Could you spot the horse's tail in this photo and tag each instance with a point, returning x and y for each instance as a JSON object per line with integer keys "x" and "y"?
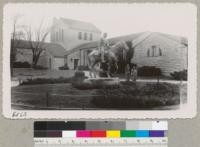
{"x": 116, "y": 66}
{"x": 124, "y": 54}
{"x": 89, "y": 61}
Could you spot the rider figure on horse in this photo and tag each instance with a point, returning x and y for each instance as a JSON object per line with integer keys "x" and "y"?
{"x": 103, "y": 46}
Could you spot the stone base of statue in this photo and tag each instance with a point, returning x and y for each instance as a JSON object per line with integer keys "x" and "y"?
{"x": 102, "y": 81}
{"x": 97, "y": 83}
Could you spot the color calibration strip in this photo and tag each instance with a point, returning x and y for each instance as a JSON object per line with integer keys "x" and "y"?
{"x": 111, "y": 129}
{"x": 91, "y": 133}
{"x": 101, "y": 133}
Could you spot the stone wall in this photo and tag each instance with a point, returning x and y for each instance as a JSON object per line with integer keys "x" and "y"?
{"x": 173, "y": 54}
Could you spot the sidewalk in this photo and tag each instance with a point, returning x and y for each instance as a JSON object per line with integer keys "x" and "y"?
{"x": 161, "y": 81}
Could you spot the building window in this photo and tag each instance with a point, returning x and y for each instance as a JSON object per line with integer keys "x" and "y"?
{"x": 91, "y": 37}
{"x": 160, "y": 52}
{"x": 57, "y": 36}
{"x": 153, "y": 48}
{"x": 54, "y": 36}
{"x": 85, "y": 36}
{"x": 79, "y": 35}
{"x": 148, "y": 53}
{"x": 154, "y": 51}
{"x": 62, "y": 35}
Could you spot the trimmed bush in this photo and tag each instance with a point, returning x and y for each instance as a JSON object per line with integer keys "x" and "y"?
{"x": 21, "y": 65}
{"x": 130, "y": 95}
{"x": 149, "y": 71}
{"x": 83, "y": 67}
{"x": 179, "y": 75}
{"x": 39, "y": 67}
{"x": 79, "y": 74}
{"x": 78, "y": 78}
{"x": 47, "y": 81}
{"x": 65, "y": 67}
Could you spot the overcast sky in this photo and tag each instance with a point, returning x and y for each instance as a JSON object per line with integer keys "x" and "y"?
{"x": 115, "y": 19}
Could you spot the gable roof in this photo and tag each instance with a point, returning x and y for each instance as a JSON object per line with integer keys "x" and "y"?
{"x": 112, "y": 41}
{"x": 54, "y": 49}
{"x": 80, "y": 24}
{"x": 179, "y": 39}
{"x": 135, "y": 38}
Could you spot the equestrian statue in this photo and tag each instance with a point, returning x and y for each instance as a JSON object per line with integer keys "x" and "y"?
{"x": 107, "y": 54}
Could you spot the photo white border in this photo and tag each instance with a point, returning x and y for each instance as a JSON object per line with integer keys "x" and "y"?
{"x": 188, "y": 111}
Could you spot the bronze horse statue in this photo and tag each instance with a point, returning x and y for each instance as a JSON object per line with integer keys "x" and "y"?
{"x": 111, "y": 57}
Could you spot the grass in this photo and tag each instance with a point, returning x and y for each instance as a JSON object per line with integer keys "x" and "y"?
{"x": 127, "y": 96}
{"x": 60, "y": 96}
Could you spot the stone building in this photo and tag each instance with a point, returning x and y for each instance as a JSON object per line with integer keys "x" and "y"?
{"x": 51, "y": 58}
{"x": 71, "y": 33}
{"x": 164, "y": 51}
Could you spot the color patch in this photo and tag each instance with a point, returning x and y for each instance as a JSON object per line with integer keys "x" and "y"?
{"x": 69, "y": 134}
{"x": 159, "y": 125}
{"x": 98, "y": 133}
{"x": 83, "y": 133}
{"x": 40, "y": 134}
{"x": 54, "y": 133}
{"x": 113, "y": 134}
{"x": 156, "y": 133}
{"x": 142, "y": 133}
{"x": 127, "y": 133}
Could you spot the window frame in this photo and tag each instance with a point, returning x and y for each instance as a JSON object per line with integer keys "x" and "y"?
{"x": 80, "y": 35}
{"x": 85, "y": 36}
{"x": 154, "y": 51}
{"x": 91, "y": 36}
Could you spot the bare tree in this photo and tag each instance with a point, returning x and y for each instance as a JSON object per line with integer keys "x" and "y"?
{"x": 36, "y": 39}
{"x": 16, "y": 37}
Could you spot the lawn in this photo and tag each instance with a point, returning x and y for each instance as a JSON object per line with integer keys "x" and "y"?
{"x": 127, "y": 96}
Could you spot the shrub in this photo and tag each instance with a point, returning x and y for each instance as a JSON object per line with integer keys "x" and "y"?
{"x": 39, "y": 67}
{"x": 65, "y": 67}
{"x": 82, "y": 67}
{"x": 149, "y": 71}
{"x": 134, "y": 96}
{"x": 179, "y": 75}
{"x": 78, "y": 78}
{"x": 47, "y": 81}
{"x": 21, "y": 65}
{"x": 79, "y": 74}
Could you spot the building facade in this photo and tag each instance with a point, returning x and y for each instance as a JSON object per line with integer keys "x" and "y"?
{"x": 71, "y": 33}
{"x": 164, "y": 51}
{"x": 51, "y": 58}
{"x": 169, "y": 53}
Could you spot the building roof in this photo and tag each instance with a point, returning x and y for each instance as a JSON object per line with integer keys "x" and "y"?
{"x": 112, "y": 41}
{"x": 80, "y": 24}
{"x": 179, "y": 39}
{"x": 135, "y": 38}
{"x": 54, "y": 49}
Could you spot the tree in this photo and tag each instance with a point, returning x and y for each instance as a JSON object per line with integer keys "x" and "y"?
{"x": 16, "y": 37}
{"x": 130, "y": 53}
{"x": 36, "y": 39}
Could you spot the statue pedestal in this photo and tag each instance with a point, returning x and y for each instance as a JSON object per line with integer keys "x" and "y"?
{"x": 102, "y": 81}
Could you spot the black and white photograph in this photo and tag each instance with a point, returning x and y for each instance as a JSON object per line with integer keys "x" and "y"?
{"x": 99, "y": 60}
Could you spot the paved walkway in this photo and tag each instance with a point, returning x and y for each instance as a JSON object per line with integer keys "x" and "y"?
{"x": 167, "y": 81}
{"x": 161, "y": 81}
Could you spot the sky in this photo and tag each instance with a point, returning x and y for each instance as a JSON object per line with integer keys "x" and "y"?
{"x": 114, "y": 19}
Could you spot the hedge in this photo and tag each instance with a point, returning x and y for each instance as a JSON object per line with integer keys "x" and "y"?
{"x": 149, "y": 71}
